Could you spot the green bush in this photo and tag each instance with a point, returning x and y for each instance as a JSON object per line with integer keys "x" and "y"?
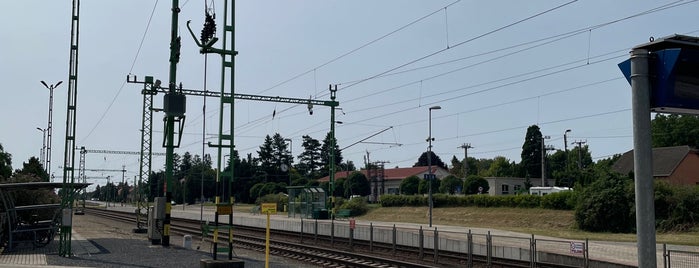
{"x": 280, "y": 199}
{"x": 683, "y": 210}
{"x": 357, "y": 206}
{"x": 562, "y": 200}
{"x": 606, "y": 205}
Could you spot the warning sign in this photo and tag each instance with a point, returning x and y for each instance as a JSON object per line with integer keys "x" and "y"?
{"x": 269, "y": 207}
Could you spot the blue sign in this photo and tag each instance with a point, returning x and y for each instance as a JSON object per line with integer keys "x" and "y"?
{"x": 674, "y": 74}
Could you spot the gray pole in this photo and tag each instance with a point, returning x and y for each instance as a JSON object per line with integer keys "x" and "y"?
{"x": 429, "y": 161}
{"x": 291, "y": 155}
{"x": 47, "y": 159}
{"x": 565, "y": 147}
{"x": 543, "y": 160}
{"x": 643, "y": 158}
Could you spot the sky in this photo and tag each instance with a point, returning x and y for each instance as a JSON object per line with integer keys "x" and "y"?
{"x": 494, "y": 67}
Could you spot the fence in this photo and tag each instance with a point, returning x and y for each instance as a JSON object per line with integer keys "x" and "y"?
{"x": 675, "y": 258}
{"x": 482, "y": 244}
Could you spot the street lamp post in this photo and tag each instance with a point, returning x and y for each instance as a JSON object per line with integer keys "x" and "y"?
{"x": 429, "y": 160}
{"x": 49, "y": 128}
{"x": 42, "y": 158}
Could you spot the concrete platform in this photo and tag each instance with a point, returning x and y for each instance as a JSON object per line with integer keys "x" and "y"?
{"x": 26, "y": 256}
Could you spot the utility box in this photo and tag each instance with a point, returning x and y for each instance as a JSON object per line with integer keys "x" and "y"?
{"x": 159, "y": 208}
{"x": 175, "y": 104}
{"x": 156, "y": 215}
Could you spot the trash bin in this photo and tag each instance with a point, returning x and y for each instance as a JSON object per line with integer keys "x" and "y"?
{"x": 315, "y": 214}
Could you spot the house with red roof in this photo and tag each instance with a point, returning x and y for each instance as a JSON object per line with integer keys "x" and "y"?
{"x": 677, "y": 165}
{"x": 388, "y": 181}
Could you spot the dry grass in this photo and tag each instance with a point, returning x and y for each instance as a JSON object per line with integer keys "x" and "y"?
{"x": 556, "y": 223}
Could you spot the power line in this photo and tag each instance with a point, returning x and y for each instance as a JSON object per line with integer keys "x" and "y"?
{"x": 138, "y": 52}
{"x": 358, "y": 48}
{"x": 459, "y": 44}
{"x": 556, "y": 37}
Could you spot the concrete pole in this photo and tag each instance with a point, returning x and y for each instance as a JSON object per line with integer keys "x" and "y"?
{"x": 543, "y": 162}
{"x": 643, "y": 158}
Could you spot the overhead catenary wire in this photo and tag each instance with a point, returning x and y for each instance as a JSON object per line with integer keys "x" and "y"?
{"x": 460, "y": 43}
{"x": 138, "y": 52}
{"x": 314, "y": 69}
{"x": 570, "y": 33}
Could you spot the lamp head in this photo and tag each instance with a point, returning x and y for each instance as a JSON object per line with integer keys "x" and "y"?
{"x": 59, "y": 82}
{"x": 567, "y": 130}
{"x": 436, "y": 107}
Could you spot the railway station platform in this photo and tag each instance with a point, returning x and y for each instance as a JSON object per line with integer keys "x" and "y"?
{"x": 97, "y": 242}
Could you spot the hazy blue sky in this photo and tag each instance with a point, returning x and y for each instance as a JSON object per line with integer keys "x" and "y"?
{"x": 557, "y": 69}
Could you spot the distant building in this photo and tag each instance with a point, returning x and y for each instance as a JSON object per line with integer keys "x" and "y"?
{"x": 388, "y": 180}
{"x": 508, "y": 185}
{"x": 677, "y": 165}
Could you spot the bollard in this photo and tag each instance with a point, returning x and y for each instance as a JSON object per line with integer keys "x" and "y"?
{"x": 187, "y": 242}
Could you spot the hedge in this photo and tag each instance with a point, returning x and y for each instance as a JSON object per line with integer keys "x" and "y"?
{"x": 562, "y": 200}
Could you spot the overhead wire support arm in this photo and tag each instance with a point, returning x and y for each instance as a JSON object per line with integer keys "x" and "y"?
{"x": 196, "y": 92}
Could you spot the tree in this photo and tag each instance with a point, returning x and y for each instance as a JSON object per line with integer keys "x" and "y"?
{"x": 325, "y": 155}
{"x": 457, "y": 167}
{"x": 357, "y": 184}
{"x": 409, "y": 185}
{"x": 675, "y": 130}
{"x": 501, "y": 167}
{"x": 5, "y": 164}
{"x": 451, "y": 185}
{"x": 310, "y": 158}
{"x": 348, "y": 166}
{"x": 435, "y": 160}
{"x": 281, "y": 156}
{"x": 481, "y": 167}
{"x": 424, "y": 186}
{"x": 531, "y": 152}
{"x": 265, "y": 156}
{"x": 472, "y": 184}
{"x": 34, "y": 167}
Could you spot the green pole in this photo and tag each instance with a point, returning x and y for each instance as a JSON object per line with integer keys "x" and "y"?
{"x": 332, "y": 149}
{"x": 170, "y": 122}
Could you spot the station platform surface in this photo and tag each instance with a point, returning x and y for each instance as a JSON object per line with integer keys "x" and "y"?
{"x": 97, "y": 242}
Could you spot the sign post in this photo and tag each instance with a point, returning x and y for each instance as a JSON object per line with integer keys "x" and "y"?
{"x": 663, "y": 76}
{"x": 268, "y": 208}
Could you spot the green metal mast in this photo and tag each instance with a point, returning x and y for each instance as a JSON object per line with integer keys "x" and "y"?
{"x": 174, "y": 111}
{"x": 68, "y": 193}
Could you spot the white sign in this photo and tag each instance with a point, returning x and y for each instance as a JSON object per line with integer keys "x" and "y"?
{"x": 577, "y": 247}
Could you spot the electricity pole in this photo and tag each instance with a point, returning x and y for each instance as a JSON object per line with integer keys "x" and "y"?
{"x": 580, "y": 143}
{"x": 543, "y": 158}
{"x": 465, "y": 146}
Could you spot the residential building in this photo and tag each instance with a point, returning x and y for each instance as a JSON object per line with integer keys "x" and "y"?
{"x": 508, "y": 185}
{"x": 677, "y": 165}
{"x": 388, "y": 181}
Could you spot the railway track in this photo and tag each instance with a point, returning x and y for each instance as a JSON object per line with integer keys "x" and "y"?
{"x": 281, "y": 244}
{"x": 330, "y": 251}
